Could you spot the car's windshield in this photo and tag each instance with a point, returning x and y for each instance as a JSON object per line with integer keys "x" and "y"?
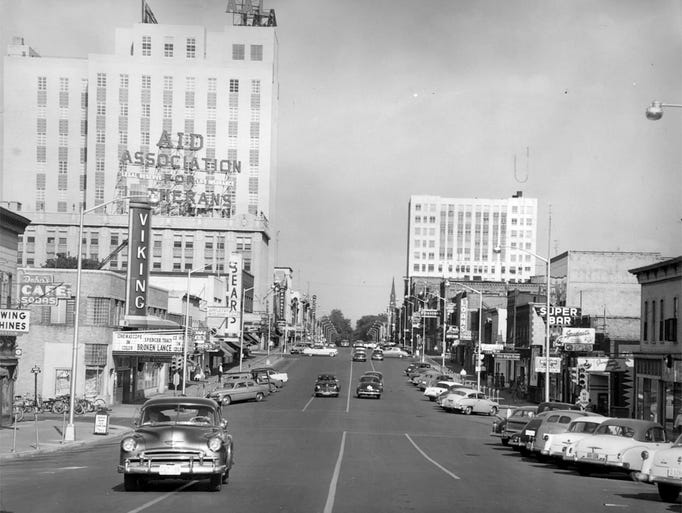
{"x": 179, "y": 414}
{"x": 615, "y": 430}
{"x": 582, "y": 427}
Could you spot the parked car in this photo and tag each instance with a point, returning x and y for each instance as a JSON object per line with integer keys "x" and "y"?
{"x": 424, "y": 380}
{"x": 370, "y": 345}
{"x": 326, "y": 385}
{"x": 240, "y": 390}
{"x": 557, "y": 444}
{"x": 455, "y": 395}
{"x": 170, "y": 433}
{"x": 297, "y": 348}
{"x": 377, "y": 354}
{"x": 344, "y": 343}
{"x": 663, "y": 468}
{"x": 619, "y": 445}
{"x": 437, "y": 388}
{"x": 320, "y": 350}
{"x": 554, "y": 405}
{"x": 516, "y": 422}
{"x": 415, "y": 365}
{"x": 520, "y": 441}
{"x": 369, "y": 386}
{"x": 273, "y": 374}
{"x": 556, "y": 421}
{"x": 457, "y": 386}
{"x": 476, "y": 402}
{"x": 395, "y": 352}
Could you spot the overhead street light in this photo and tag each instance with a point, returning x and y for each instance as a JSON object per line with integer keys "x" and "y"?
{"x": 655, "y": 111}
{"x": 444, "y": 323}
{"x": 70, "y": 431}
{"x": 547, "y": 284}
{"x": 185, "y": 343}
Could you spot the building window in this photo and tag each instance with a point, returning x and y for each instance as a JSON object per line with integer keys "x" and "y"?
{"x": 99, "y": 313}
{"x": 661, "y": 321}
{"x": 191, "y": 48}
{"x": 168, "y": 47}
{"x": 146, "y": 82}
{"x": 237, "y": 52}
{"x": 101, "y": 79}
{"x": 167, "y": 83}
{"x": 42, "y": 83}
{"x": 234, "y": 85}
{"x": 256, "y": 52}
{"x": 653, "y": 321}
{"x": 146, "y": 46}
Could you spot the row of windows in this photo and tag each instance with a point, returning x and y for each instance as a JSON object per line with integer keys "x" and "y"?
{"x": 655, "y": 322}
{"x": 238, "y": 50}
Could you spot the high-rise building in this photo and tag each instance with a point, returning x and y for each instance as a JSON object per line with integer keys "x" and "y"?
{"x": 183, "y": 115}
{"x": 472, "y": 238}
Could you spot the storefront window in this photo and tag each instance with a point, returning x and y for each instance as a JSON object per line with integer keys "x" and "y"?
{"x": 93, "y": 381}
{"x": 62, "y": 382}
{"x": 647, "y": 399}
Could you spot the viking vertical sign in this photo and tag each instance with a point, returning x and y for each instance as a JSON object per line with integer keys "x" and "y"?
{"x": 139, "y": 239}
{"x": 234, "y": 298}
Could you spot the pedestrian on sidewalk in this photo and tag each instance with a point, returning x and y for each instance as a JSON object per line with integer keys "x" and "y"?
{"x": 220, "y": 373}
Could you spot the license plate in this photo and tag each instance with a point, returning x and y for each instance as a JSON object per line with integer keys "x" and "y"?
{"x": 675, "y": 472}
{"x": 530, "y": 432}
{"x": 594, "y": 456}
{"x": 169, "y": 469}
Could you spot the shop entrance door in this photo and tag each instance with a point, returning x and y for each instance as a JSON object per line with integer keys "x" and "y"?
{"x": 123, "y": 386}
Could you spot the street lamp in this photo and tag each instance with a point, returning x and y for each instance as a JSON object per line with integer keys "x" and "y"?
{"x": 241, "y": 329}
{"x": 70, "y": 431}
{"x": 547, "y": 284}
{"x": 478, "y": 349}
{"x": 655, "y": 111}
{"x": 185, "y": 342}
{"x": 444, "y": 325}
{"x": 405, "y": 300}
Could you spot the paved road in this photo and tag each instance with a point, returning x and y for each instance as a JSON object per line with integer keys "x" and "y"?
{"x": 300, "y": 454}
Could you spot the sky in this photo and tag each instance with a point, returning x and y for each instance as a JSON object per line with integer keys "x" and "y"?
{"x": 384, "y": 99}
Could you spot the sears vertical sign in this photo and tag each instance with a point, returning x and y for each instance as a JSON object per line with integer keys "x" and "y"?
{"x": 234, "y": 298}
{"x": 139, "y": 239}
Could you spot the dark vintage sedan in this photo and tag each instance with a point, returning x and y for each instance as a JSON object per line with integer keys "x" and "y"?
{"x": 326, "y": 385}
{"x": 177, "y": 438}
{"x": 369, "y": 386}
{"x": 515, "y": 423}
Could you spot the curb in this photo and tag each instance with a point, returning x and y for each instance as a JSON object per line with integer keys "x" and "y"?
{"x": 52, "y": 446}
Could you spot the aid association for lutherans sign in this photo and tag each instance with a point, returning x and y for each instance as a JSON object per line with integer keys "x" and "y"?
{"x": 234, "y": 298}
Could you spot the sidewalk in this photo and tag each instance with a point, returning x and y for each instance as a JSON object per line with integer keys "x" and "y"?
{"x": 45, "y": 434}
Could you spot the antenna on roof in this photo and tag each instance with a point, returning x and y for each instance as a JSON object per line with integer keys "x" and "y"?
{"x": 250, "y": 13}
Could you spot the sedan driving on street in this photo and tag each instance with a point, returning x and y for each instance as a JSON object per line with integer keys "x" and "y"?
{"x": 241, "y": 390}
{"x": 177, "y": 438}
{"x": 320, "y": 350}
{"x": 326, "y": 385}
{"x": 369, "y": 386}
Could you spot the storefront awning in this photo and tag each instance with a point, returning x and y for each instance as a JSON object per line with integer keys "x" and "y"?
{"x": 251, "y": 339}
{"x": 148, "y": 322}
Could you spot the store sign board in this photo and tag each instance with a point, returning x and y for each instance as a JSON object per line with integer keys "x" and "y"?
{"x": 605, "y": 364}
{"x": 147, "y": 342}
{"x": 14, "y": 321}
{"x": 217, "y": 311}
{"x": 554, "y": 364}
{"x": 139, "y": 239}
{"x": 491, "y": 348}
{"x": 577, "y": 336}
{"x": 40, "y": 289}
{"x": 234, "y": 299}
{"x": 429, "y": 313}
{"x": 560, "y": 315}
{"x": 507, "y": 356}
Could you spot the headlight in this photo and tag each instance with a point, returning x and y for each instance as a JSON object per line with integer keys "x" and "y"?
{"x": 545, "y": 437}
{"x": 317, "y": 387}
{"x": 215, "y": 443}
{"x": 645, "y": 454}
{"x": 128, "y": 444}
{"x": 369, "y": 387}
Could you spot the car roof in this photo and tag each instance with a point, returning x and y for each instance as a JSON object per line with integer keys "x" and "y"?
{"x": 187, "y": 401}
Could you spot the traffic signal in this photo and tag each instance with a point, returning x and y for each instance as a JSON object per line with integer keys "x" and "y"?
{"x": 582, "y": 377}
{"x": 574, "y": 375}
{"x": 176, "y": 364}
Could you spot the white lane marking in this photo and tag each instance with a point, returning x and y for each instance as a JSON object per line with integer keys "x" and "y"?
{"x": 163, "y": 497}
{"x": 329, "y": 506}
{"x": 431, "y": 460}
{"x": 308, "y": 403}
{"x": 350, "y": 384}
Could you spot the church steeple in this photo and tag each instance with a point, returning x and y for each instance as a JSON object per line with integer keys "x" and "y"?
{"x": 391, "y": 301}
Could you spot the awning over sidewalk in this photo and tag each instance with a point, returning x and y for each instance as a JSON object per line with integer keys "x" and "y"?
{"x": 148, "y": 322}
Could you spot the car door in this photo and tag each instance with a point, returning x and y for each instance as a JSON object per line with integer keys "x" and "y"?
{"x": 241, "y": 391}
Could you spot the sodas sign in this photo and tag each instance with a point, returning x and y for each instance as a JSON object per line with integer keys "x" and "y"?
{"x": 41, "y": 290}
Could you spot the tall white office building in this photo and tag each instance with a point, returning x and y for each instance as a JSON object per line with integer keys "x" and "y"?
{"x": 175, "y": 112}
{"x": 472, "y": 238}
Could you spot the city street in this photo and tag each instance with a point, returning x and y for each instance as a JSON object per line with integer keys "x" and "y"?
{"x": 296, "y": 453}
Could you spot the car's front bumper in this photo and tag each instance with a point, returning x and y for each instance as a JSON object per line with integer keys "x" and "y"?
{"x": 172, "y": 467}
{"x": 368, "y": 393}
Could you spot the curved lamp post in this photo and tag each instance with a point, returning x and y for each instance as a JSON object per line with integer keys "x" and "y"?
{"x": 185, "y": 342}
{"x": 655, "y": 111}
{"x": 445, "y": 305}
{"x": 547, "y": 284}
{"x": 70, "y": 431}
